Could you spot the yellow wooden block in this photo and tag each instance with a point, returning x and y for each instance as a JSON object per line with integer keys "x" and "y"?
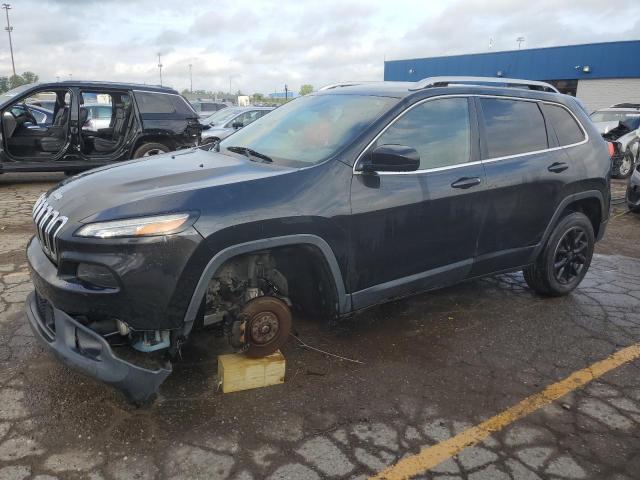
{"x": 238, "y": 372}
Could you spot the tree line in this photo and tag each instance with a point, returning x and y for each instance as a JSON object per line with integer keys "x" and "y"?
{"x": 7, "y": 83}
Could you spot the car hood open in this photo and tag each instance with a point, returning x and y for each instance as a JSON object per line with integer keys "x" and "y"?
{"x": 152, "y": 185}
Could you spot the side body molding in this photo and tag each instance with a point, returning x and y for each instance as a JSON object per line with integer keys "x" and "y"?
{"x": 344, "y": 299}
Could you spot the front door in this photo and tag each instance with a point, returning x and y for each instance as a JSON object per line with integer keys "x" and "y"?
{"x": 414, "y": 231}
{"x": 36, "y": 128}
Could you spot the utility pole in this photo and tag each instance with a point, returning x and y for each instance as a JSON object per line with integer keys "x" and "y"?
{"x": 191, "y": 78}
{"x": 286, "y": 92}
{"x": 9, "y": 29}
{"x": 520, "y": 41}
{"x": 160, "y": 67}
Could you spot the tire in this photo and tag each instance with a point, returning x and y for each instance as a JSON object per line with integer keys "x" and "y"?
{"x": 625, "y": 169}
{"x": 150, "y": 149}
{"x": 547, "y": 276}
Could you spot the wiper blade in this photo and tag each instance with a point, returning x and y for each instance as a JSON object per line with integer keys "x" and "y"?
{"x": 249, "y": 152}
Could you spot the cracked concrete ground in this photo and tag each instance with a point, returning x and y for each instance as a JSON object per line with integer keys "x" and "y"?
{"x": 434, "y": 365}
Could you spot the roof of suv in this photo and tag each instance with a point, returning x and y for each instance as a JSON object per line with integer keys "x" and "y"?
{"x": 515, "y": 87}
{"x": 98, "y": 84}
{"x": 401, "y": 90}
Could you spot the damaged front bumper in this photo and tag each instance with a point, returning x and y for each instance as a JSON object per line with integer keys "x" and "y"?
{"x": 85, "y": 350}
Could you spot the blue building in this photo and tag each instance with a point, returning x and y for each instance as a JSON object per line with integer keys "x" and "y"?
{"x": 600, "y": 74}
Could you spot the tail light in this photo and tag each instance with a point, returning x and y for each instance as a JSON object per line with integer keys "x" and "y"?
{"x": 612, "y": 149}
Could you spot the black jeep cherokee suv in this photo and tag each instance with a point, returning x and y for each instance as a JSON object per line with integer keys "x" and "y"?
{"x": 91, "y": 124}
{"x": 335, "y": 202}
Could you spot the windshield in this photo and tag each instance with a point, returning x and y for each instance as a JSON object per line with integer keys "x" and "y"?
{"x": 221, "y": 116}
{"x": 613, "y": 116}
{"x": 310, "y": 129}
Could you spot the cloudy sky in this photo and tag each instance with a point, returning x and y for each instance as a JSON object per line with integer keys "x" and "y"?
{"x": 261, "y": 45}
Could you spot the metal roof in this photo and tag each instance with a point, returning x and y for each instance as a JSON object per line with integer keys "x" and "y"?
{"x": 604, "y": 60}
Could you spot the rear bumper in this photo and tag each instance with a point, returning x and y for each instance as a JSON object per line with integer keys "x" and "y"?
{"x": 83, "y": 349}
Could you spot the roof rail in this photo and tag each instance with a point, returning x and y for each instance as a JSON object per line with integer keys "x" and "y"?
{"x": 506, "y": 82}
{"x": 331, "y": 86}
{"x": 625, "y": 105}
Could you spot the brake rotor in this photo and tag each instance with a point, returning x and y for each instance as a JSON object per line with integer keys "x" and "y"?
{"x": 267, "y": 325}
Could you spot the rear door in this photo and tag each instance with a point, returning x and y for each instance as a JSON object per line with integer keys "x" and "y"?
{"x": 413, "y": 231}
{"x": 527, "y": 175}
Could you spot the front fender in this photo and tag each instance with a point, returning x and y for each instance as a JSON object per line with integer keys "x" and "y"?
{"x": 344, "y": 300}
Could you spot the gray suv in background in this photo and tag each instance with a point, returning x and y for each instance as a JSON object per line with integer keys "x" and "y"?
{"x": 223, "y": 123}
{"x": 207, "y": 107}
{"x": 620, "y": 125}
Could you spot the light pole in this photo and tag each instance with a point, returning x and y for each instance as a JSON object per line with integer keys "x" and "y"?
{"x": 9, "y": 29}
{"x": 520, "y": 41}
{"x": 191, "y": 78}
{"x": 160, "y": 67}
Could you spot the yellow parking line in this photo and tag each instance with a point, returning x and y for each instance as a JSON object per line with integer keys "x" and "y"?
{"x": 431, "y": 456}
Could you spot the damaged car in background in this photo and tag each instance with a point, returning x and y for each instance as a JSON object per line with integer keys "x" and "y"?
{"x": 91, "y": 124}
{"x": 336, "y": 202}
{"x": 620, "y": 125}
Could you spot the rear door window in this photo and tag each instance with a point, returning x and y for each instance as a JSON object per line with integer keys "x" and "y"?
{"x": 150, "y": 103}
{"x": 512, "y": 127}
{"x": 566, "y": 127}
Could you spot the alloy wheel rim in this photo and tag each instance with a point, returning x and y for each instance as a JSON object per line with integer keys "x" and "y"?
{"x": 625, "y": 166}
{"x": 570, "y": 255}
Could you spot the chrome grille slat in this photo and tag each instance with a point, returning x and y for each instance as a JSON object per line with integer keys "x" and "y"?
{"x": 38, "y": 203}
{"x": 48, "y": 223}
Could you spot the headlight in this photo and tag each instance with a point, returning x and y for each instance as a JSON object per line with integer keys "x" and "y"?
{"x": 136, "y": 227}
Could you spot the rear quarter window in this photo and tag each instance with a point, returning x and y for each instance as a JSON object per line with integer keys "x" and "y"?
{"x": 163, "y": 104}
{"x": 566, "y": 127}
{"x": 513, "y": 127}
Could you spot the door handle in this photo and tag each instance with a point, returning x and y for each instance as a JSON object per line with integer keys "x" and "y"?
{"x": 557, "y": 167}
{"x": 466, "y": 182}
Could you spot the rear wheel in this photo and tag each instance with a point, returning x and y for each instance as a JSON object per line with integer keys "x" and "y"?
{"x": 565, "y": 259}
{"x": 150, "y": 149}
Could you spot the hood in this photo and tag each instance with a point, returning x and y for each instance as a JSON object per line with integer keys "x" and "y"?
{"x": 217, "y": 132}
{"x": 152, "y": 185}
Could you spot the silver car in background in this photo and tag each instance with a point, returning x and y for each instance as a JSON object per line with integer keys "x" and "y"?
{"x": 620, "y": 125}
{"x": 206, "y": 108}
{"x": 223, "y": 123}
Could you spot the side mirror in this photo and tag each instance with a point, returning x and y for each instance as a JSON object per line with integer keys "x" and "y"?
{"x": 391, "y": 158}
{"x": 237, "y": 125}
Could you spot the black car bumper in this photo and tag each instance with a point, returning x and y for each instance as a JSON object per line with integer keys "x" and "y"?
{"x": 83, "y": 349}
